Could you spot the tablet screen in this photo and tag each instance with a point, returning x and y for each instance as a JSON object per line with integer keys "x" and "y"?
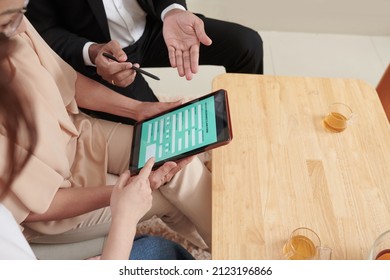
{"x": 179, "y": 131}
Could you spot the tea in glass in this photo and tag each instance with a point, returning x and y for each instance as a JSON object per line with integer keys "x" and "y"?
{"x": 383, "y": 255}
{"x": 302, "y": 245}
{"x": 380, "y": 249}
{"x": 337, "y": 118}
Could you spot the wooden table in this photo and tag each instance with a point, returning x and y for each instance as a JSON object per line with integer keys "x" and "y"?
{"x": 283, "y": 170}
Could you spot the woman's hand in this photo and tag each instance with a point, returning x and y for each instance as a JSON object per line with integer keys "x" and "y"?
{"x": 165, "y": 173}
{"x": 131, "y": 197}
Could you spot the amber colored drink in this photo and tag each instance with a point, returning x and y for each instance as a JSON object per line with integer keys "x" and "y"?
{"x": 383, "y": 255}
{"x": 299, "y": 247}
{"x": 335, "y": 122}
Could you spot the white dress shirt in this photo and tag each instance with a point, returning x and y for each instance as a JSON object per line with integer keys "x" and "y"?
{"x": 126, "y": 22}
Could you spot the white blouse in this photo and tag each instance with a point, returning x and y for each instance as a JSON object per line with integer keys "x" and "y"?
{"x": 13, "y": 245}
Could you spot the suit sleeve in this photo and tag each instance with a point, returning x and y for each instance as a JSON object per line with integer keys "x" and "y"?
{"x": 43, "y": 14}
{"x": 155, "y": 7}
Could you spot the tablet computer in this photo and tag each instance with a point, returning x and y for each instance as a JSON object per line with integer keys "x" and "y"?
{"x": 191, "y": 128}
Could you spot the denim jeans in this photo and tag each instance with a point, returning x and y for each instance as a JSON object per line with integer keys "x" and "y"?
{"x": 146, "y": 247}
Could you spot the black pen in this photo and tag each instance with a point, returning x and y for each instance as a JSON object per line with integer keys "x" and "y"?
{"x": 133, "y": 67}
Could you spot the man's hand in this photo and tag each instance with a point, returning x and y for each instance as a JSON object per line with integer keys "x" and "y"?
{"x": 145, "y": 110}
{"x": 183, "y": 32}
{"x": 119, "y": 74}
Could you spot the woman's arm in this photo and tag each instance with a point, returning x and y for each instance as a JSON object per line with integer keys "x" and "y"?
{"x": 72, "y": 202}
{"x": 95, "y": 96}
{"x": 130, "y": 200}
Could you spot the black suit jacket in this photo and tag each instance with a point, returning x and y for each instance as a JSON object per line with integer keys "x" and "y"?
{"x": 66, "y": 25}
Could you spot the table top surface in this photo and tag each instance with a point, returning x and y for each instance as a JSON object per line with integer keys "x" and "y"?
{"x": 284, "y": 170}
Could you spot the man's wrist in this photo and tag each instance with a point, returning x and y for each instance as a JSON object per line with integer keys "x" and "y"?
{"x": 86, "y": 58}
{"x": 93, "y": 51}
{"x": 171, "y": 8}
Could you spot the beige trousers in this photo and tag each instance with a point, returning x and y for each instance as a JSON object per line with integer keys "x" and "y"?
{"x": 184, "y": 203}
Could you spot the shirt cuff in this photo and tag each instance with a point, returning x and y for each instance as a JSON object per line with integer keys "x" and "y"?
{"x": 171, "y": 7}
{"x": 87, "y": 60}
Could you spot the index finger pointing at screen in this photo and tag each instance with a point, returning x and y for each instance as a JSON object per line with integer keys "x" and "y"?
{"x": 145, "y": 171}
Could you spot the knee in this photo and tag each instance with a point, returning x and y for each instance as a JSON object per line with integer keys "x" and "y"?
{"x": 193, "y": 177}
{"x": 157, "y": 248}
{"x": 248, "y": 41}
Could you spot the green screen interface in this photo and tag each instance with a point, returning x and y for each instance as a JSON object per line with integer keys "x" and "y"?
{"x": 179, "y": 131}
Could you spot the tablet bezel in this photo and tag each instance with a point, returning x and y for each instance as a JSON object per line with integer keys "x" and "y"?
{"x": 223, "y": 124}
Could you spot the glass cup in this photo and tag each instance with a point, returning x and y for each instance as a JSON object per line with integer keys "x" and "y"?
{"x": 324, "y": 253}
{"x": 302, "y": 244}
{"x": 338, "y": 117}
{"x": 380, "y": 250}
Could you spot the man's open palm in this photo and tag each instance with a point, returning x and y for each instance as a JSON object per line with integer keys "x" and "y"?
{"x": 183, "y": 32}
